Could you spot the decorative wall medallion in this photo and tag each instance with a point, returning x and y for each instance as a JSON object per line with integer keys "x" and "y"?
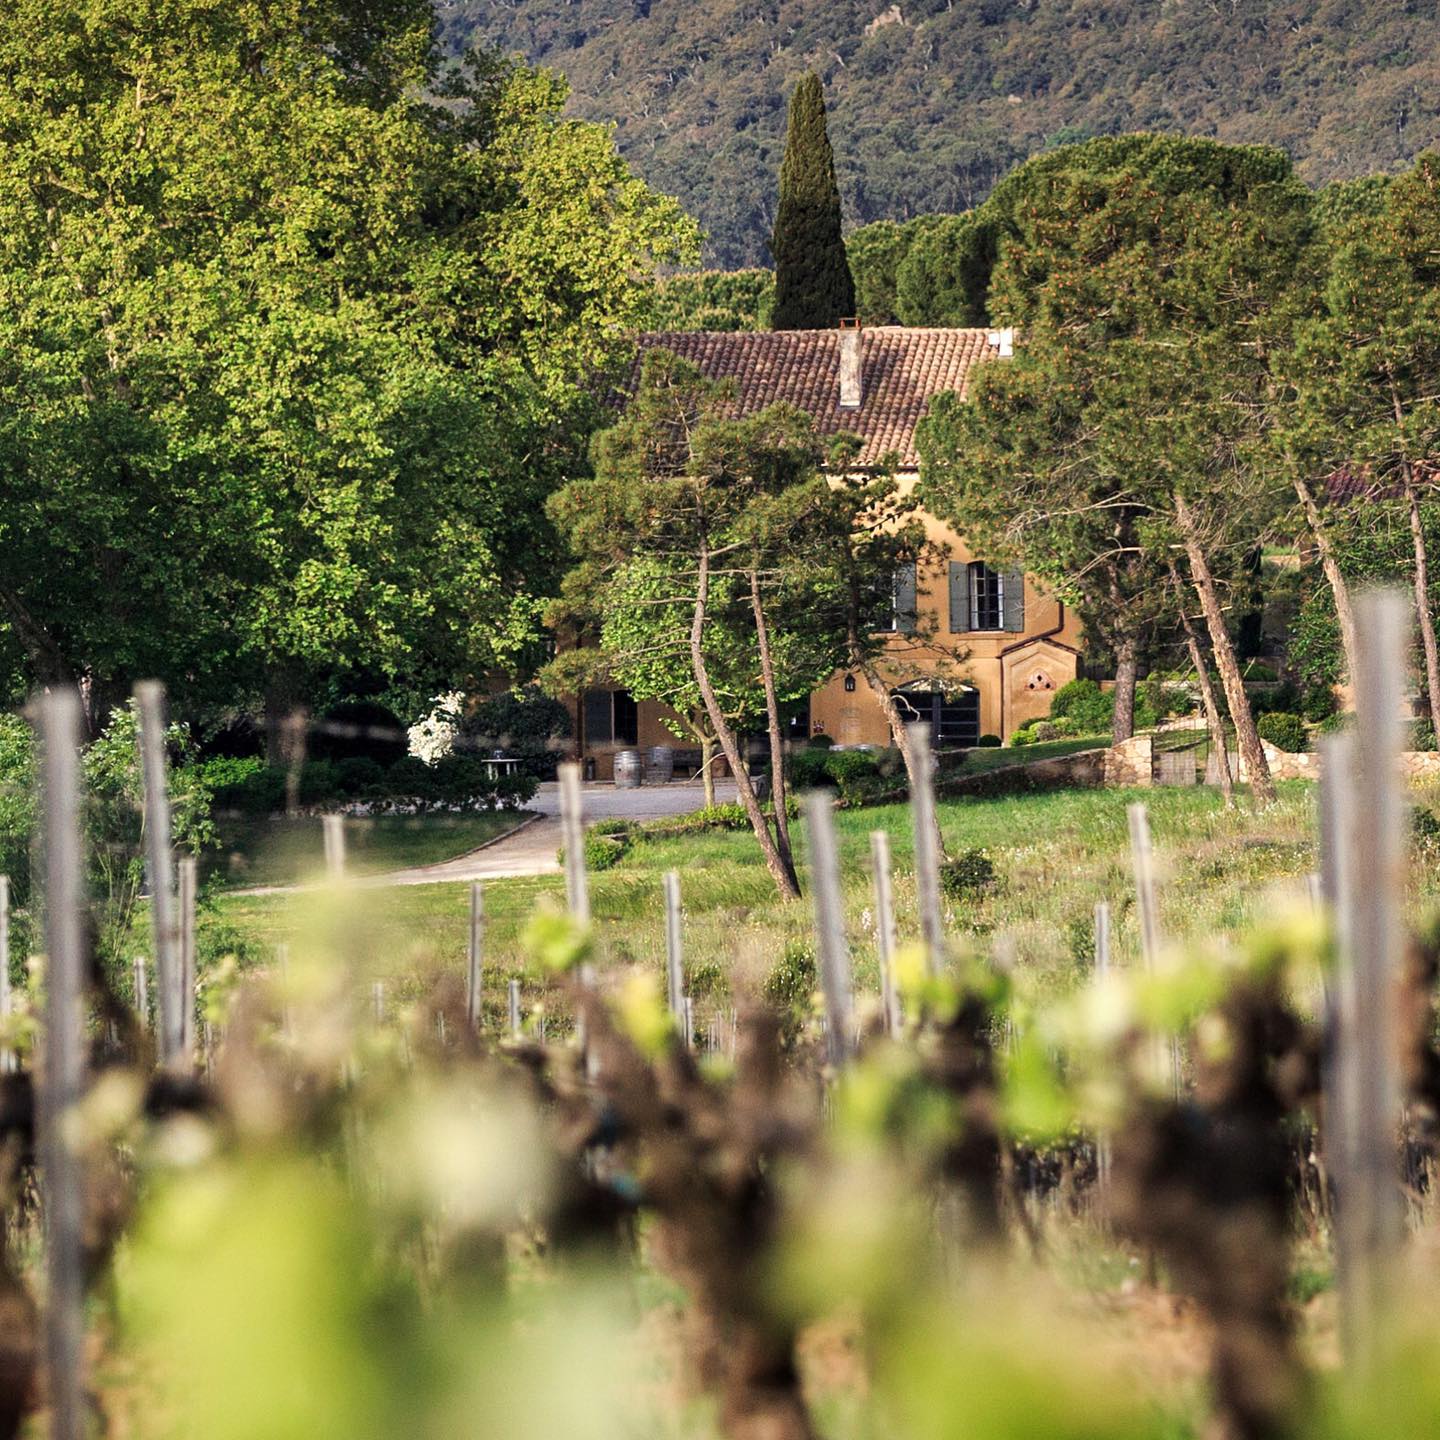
{"x": 1039, "y": 680}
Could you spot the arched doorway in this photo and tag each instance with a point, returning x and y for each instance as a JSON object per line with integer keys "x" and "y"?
{"x": 953, "y": 716}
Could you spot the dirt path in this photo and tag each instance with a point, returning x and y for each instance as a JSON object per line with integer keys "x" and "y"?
{"x": 531, "y": 849}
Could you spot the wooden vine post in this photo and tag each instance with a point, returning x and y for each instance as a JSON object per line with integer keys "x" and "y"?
{"x": 885, "y": 929}
{"x": 159, "y": 864}
{"x": 927, "y": 850}
{"x": 835, "y": 980}
{"x": 1365, "y": 848}
{"x": 674, "y": 959}
{"x": 61, "y": 1161}
{"x": 473, "y": 974}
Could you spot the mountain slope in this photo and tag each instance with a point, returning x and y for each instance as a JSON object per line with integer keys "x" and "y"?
{"x": 932, "y": 100}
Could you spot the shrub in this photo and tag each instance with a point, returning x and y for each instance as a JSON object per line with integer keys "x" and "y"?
{"x": 459, "y": 777}
{"x": 1317, "y": 703}
{"x": 1422, "y": 735}
{"x": 602, "y": 852}
{"x": 1284, "y": 697}
{"x": 253, "y": 788}
{"x": 510, "y": 792}
{"x": 991, "y": 742}
{"x": 1156, "y": 701}
{"x": 820, "y": 742}
{"x": 854, "y": 771}
{"x": 789, "y": 989}
{"x": 614, "y": 828}
{"x": 319, "y": 782}
{"x": 971, "y": 872}
{"x": 359, "y": 775}
{"x": 857, "y": 774}
{"x": 705, "y": 979}
{"x": 1091, "y": 709}
{"x": 810, "y": 770}
{"x": 1425, "y": 829}
{"x": 728, "y": 815}
{"x": 357, "y": 728}
{"x": 1283, "y": 730}
{"x": 1023, "y": 736}
{"x": 1063, "y": 726}
{"x": 411, "y": 777}
{"x": 222, "y": 772}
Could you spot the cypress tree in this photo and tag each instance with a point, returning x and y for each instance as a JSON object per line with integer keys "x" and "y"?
{"x": 814, "y": 288}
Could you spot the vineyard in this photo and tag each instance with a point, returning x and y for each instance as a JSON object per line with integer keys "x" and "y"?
{"x": 312, "y": 1206}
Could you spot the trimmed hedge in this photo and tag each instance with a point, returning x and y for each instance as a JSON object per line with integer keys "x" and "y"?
{"x": 1284, "y": 731}
{"x": 859, "y": 775}
{"x": 457, "y": 782}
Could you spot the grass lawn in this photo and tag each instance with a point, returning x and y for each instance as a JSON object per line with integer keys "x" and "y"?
{"x": 1055, "y": 854}
{"x": 275, "y": 850}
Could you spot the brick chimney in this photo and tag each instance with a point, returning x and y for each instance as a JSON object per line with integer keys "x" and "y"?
{"x": 852, "y": 386}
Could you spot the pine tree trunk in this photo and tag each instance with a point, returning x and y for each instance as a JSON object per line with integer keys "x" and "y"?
{"x": 1127, "y": 668}
{"x": 1251, "y": 751}
{"x": 784, "y": 876}
{"x": 1214, "y": 722}
{"x": 707, "y": 770}
{"x": 772, "y": 720}
{"x": 1339, "y": 586}
{"x": 1423, "y": 617}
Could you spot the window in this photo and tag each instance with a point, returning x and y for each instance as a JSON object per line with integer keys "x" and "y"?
{"x": 985, "y": 599}
{"x": 627, "y": 718}
{"x": 901, "y": 617}
{"x": 954, "y": 719}
{"x": 611, "y": 717}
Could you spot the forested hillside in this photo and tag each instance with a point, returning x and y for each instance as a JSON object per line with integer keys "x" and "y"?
{"x": 932, "y": 100}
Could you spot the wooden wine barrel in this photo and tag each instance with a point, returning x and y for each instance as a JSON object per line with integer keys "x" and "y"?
{"x": 628, "y": 769}
{"x": 661, "y": 767}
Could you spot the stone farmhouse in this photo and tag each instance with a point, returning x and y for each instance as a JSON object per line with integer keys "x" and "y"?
{"x": 974, "y": 649}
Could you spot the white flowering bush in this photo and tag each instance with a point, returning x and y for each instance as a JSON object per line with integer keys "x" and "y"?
{"x": 433, "y": 738}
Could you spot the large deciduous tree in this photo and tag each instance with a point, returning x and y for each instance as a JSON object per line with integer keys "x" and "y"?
{"x": 289, "y": 355}
{"x": 814, "y": 288}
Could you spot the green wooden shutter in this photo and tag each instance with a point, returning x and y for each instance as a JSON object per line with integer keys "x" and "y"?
{"x": 959, "y": 597}
{"x": 1012, "y": 595}
{"x": 905, "y": 598}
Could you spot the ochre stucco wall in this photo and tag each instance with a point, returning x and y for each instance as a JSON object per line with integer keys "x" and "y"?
{"x": 1015, "y": 672}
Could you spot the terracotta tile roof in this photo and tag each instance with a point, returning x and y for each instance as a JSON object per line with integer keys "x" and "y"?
{"x": 1350, "y": 483}
{"x": 903, "y": 368}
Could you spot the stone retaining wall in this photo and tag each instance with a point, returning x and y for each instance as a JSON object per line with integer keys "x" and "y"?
{"x": 1132, "y": 762}
{"x": 1085, "y": 768}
